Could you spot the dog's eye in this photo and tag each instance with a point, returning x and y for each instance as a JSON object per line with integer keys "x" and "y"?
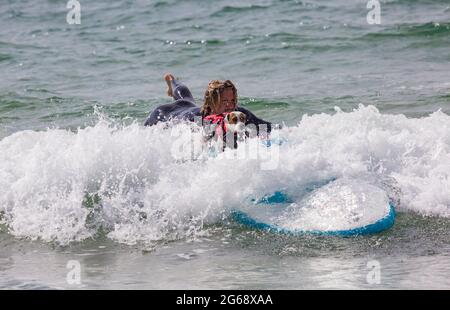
{"x": 242, "y": 118}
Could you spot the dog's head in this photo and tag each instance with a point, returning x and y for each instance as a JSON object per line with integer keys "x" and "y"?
{"x": 235, "y": 121}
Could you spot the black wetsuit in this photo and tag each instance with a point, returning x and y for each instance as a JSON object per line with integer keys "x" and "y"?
{"x": 184, "y": 108}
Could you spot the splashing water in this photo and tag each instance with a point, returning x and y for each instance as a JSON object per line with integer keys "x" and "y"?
{"x": 125, "y": 181}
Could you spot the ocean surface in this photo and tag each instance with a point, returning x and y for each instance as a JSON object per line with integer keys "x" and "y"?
{"x": 90, "y": 198}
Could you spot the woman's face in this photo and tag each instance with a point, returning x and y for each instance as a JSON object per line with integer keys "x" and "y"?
{"x": 227, "y": 101}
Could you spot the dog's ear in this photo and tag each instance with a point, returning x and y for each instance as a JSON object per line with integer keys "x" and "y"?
{"x": 227, "y": 117}
{"x": 243, "y": 117}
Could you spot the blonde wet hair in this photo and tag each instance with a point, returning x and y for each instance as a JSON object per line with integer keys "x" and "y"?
{"x": 212, "y": 96}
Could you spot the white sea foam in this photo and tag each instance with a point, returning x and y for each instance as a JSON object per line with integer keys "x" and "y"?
{"x": 63, "y": 186}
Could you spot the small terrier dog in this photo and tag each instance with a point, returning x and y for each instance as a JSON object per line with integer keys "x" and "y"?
{"x": 229, "y": 127}
{"x": 235, "y": 122}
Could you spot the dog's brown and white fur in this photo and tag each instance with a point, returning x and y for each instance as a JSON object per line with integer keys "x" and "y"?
{"x": 235, "y": 126}
{"x": 235, "y": 130}
{"x": 235, "y": 122}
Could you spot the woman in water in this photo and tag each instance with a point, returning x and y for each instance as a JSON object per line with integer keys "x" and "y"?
{"x": 220, "y": 97}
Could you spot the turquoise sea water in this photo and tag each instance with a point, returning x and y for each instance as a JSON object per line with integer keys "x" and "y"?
{"x": 356, "y": 99}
